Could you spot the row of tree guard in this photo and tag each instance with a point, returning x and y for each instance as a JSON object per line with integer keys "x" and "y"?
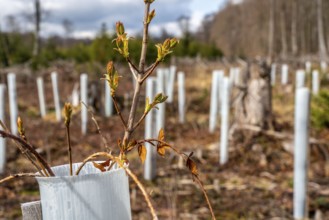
{"x": 220, "y": 100}
{"x": 164, "y": 82}
{"x": 220, "y": 103}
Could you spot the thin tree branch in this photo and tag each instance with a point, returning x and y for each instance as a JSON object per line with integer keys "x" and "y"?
{"x": 36, "y": 163}
{"x": 29, "y": 148}
{"x": 118, "y": 111}
{"x": 140, "y": 121}
{"x": 149, "y": 72}
{"x": 205, "y": 195}
{"x": 98, "y": 128}
{"x": 92, "y": 157}
{"x": 70, "y": 149}
{"x": 145, "y": 38}
{"x": 141, "y": 187}
{"x": 14, "y": 176}
{"x": 133, "y": 68}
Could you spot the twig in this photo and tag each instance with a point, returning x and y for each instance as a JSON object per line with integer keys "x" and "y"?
{"x": 70, "y": 149}
{"x": 140, "y": 120}
{"x": 195, "y": 177}
{"x": 14, "y": 176}
{"x": 37, "y": 165}
{"x": 118, "y": 111}
{"x": 149, "y": 72}
{"x": 97, "y": 127}
{"x": 141, "y": 187}
{"x": 93, "y": 156}
{"x": 205, "y": 195}
{"x": 30, "y": 149}
{"x": 134, "y": 70}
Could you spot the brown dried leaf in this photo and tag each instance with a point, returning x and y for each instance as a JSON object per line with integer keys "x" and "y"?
{"x": 191, "y": 165}
{"x": 106, "y": 163}
{"x": 142, "y": 153}
{"x": 99, "y": 166}
{"x": 161, "y": 149}
{"x": 161, "y": 135}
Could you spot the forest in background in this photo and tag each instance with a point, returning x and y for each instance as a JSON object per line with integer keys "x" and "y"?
{"x": 279, "y": 28}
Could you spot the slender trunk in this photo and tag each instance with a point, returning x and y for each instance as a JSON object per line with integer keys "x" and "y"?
{"x": 322, "y": 44}
{"x": 36, "y": 47}
{"x": 271, "y": 30}
{"x": 284, "y": 48}
{"x": 135, "y": 101}
{"x": 294, "y": 46}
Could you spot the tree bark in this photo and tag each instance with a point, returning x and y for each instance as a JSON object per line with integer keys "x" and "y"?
{"x": 322, "y": 44}
{"x": 36, "y": 47}
{"x": 254, "y": 103}
{"x": 284, "y": 48}
{"x": 294, "y": 46}
{"x": 271, "y": 30}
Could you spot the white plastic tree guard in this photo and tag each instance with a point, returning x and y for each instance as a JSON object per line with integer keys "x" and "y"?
{"x": 41, "y": 94}
{"x": 31, "y": 210}
{"x": 273, "y": 74}
{"x": 181, "y": 96}
{"x": 232, "y": 73}
{"x": 225, "y": 118}
{"x": 108, "y": 102}
{"x": 308, "y": 66}
{"x": 2, "y": 118}
{"x": 284, "y": 74}
{"x": 315, "y": 82}
{"x": 160, "y": 114}
{"x": 301, "y": 152}
{"x": 11, "y": 77}
{"x": 75, "y": 97}
{"x": 84, "y": 99}
{"x": 236, "y": 75}
{"x": 300, "y": 79}
{"x": 171, "y": 84}
{"x": 150, "y": 160}
{"x": 54, "y": 82}
{"x": 324, "y": 66}
{"x": 220, "y": 82}
{"x": 91, "y": 195}
{"x": 214, "y": 101}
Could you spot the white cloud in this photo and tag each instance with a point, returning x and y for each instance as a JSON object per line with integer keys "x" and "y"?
{"x": 88, "y": 15}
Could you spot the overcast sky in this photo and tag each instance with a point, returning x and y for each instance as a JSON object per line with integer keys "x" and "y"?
{"x": 88, "y": 15}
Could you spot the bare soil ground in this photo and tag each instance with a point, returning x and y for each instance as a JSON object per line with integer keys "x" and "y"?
{"x": 256, "y": 183}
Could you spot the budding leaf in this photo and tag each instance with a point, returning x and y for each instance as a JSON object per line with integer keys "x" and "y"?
{"x": 20, "y": 127}
{"x": 142, "y": 153}
{"x": 160, "y": 98}
{"x": 67, "y": 113}
{"x": 112, "y": 77}
{"x": 150, "y": 16}
{"x": 148, "y": 107}
{"x": 166, "y": 48}
{"x": 120, "y": 29}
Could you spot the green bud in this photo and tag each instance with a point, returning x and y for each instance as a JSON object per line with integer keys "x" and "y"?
{"x": 67, "y": 113}
{"x": 120, "y": 28}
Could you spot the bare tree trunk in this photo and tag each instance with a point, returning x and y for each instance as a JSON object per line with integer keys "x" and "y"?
{"x": 294, "y": 46}
{"x": 284, "y": 48}
{"x": 322, "y": 44}
{"x": 271, "y": 30}
{"x": 254, "y": 103}
{"x": 36, "y": 47}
